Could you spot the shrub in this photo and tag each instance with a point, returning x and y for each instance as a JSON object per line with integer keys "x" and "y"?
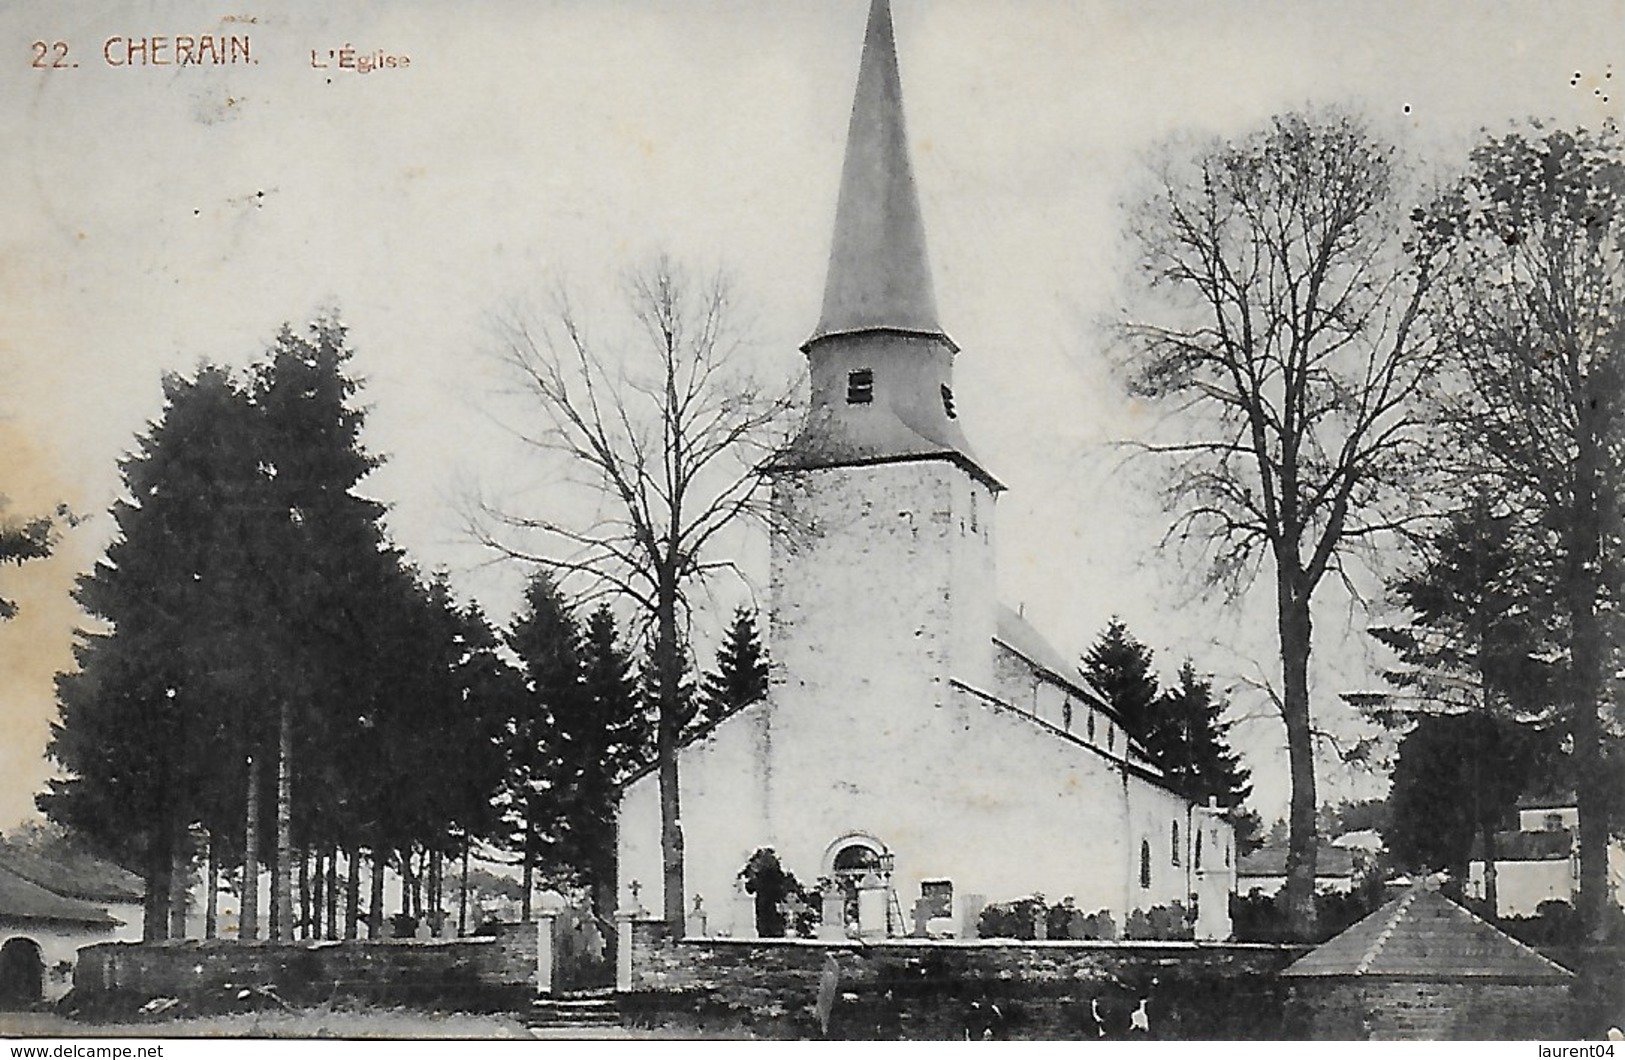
{"x": 1019, "y": 919}
{"x": 1011, "y": 920}
{"x": 1160, "y": 922}
{"x": 783, "y": 905}
{"x": 1263, "y": 918}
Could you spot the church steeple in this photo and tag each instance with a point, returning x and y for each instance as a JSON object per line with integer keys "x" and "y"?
{"x": 880, "y": 364}
{"x": 879, "y": 273}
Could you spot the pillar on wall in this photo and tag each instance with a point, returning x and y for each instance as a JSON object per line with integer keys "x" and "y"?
{"x": 623, "y": 947}
{"x": 970, "y": 914}
{"x": 546, "y": 954}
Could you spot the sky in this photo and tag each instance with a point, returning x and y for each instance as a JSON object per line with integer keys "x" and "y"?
{"x": 155, "y": 216}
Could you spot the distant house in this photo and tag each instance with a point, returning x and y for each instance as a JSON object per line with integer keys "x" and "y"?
{"x": 1539, "y": 861}
{"x": 1264, "y": 871}
{"x": 49, "y": 908}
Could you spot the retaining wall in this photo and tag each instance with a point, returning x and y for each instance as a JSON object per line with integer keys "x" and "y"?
{"x": 952, "y": 989}
{"x": 496, "y": 970}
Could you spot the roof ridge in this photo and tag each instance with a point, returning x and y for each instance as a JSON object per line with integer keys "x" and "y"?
{"x": 1386, "y": 933}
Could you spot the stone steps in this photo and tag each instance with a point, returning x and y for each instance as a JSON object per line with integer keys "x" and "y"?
{"x": 573, "y": 1012}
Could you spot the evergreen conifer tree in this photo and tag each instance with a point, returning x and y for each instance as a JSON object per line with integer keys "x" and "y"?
{"x": 547, "y": 641}
{"x": 602, "y": 738}
{"x": 157, "y": 711}
{"x": 1188, "y": 739}
{"x": 740, "y": 677}
{"x": 1119, "y": 667}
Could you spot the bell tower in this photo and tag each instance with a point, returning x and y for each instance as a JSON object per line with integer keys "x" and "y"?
{"x": 882, "y": 545}
{"x": 881, "y": 365}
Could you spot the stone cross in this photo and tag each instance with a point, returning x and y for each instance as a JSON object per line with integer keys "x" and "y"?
{"x": 922, "y": 917}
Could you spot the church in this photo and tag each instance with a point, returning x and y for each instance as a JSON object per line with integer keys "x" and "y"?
{"x": 923, "y": 750}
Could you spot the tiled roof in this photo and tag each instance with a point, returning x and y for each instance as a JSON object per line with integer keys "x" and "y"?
{"x": 1553, "y": 845}
{"x": 1546, "y": 800}
{"x": 1271, "y": 861}
{"x": 1424, "y": 935}
{"x": 23, "y": 900}
{"x": 73, "y": 873}
{"x": 1017, "y": 634}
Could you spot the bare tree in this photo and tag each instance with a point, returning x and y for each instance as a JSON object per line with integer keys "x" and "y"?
{"x": 1533, "y": 303}
{"x": 1285, "y": 337}
{"x": 667, "y": 432}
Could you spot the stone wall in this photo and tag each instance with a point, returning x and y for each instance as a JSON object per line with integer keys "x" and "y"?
{"x": 919, "y": 989}
{"x": 1345, "y": 1009}
{"x": 477, "y": 972}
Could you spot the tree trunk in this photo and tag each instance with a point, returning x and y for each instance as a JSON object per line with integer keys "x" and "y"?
{"x": 1588, "y": 653}
{"x": 352, "y": 893}
{"x": 375, "y": 895}
{"x": 282, "y": 900}
{"x": 462, "y": 895}
{"x": 671, "y": 824}
{"x": 304, "y": 896}
{"x": 248, "y": 918}
{"x": 211, "y": 898}
{"x": 160, "y": 866}
{"x": 1491, "y": 852}
{"x": 332, "y": 925}
{"x": 529, "y": 881}
{"x": 437, "y": 903}
{"x": 177, "y": 883}
{"x": 1302, "y": 841}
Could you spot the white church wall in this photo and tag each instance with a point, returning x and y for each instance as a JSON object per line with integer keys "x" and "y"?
{"x": 725, "y": 781}
{"x": 968, "y": 792}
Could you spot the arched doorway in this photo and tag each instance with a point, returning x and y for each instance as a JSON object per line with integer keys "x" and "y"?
{"x": 22, "y": 973}
{"x": 860, "y": 866}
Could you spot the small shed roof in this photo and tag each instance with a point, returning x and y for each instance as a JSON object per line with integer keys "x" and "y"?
{"x": 23, "y": 900}
{"x": 1424, "y": 935}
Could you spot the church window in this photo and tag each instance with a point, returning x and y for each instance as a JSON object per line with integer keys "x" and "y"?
{"x": 1198, "y": 851}
{"x": 1145, "y": 864}
{"x": 860, "y": 386}
{"x": 1091, "y": 726}
{"x": 1174, "y": 844}
{"x": 948, "y": 402}
{"x": 1066, "y": 715}
{"x": 1111, "y": 737}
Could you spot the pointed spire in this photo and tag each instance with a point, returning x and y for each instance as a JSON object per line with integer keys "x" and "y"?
{"x": 879, "y": 273}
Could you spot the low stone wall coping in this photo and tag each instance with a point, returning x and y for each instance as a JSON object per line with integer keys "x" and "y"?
{"x": 299, "y": 944}
{"x": 1172, "y": 945}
